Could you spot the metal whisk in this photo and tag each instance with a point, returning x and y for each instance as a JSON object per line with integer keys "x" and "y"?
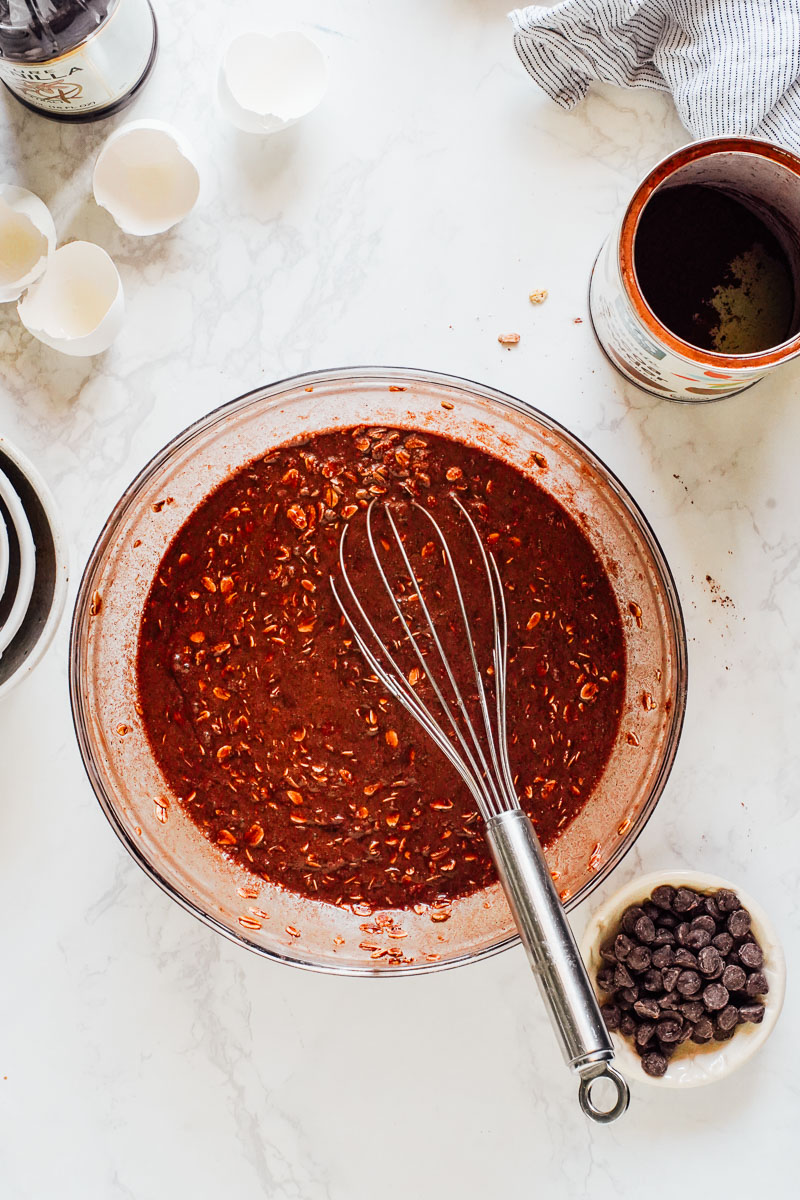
{"x": 473, "y": 738}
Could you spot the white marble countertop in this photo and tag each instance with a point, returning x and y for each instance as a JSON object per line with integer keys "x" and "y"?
{"x": 142, "y": 1057}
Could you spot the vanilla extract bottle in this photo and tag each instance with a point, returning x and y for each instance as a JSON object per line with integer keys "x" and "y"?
{"x": 76, "y": 60}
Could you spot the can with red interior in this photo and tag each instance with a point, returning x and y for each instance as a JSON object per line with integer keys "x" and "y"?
{"x": 766, "y": 180}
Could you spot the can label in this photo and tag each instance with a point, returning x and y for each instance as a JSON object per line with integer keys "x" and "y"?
{"x": 637, "y": 354}
{"x": 96, "y": 74}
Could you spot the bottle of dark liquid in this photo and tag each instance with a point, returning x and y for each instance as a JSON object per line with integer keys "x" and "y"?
{"x": 76, "y": 60}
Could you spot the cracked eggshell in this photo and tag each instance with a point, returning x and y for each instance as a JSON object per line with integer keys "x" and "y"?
{"x": 269, "y": 81}
{"x": 78, "y": 305}
{"x": 145, "y": 175}
{"x": 27, "y": 239}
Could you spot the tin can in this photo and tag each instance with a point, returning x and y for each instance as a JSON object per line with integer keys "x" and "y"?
{"x": 763, "y": 177}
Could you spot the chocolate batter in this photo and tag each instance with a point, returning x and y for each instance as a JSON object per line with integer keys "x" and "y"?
{"x": 267, "y": 722}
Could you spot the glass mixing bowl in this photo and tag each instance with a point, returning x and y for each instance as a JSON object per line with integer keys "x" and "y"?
{"x": 130, "y": 787}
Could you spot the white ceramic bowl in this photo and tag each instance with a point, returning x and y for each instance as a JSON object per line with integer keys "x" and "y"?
{"x": 52, "y": 568}
{"x": 692, "y": 1065}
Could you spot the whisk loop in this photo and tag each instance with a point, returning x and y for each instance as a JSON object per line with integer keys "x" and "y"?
{"x": 484, "y": 768}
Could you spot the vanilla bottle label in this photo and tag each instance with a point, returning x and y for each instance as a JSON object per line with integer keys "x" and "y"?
{"x": 97, "y": 73}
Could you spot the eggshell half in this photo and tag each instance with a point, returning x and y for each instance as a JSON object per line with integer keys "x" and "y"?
{"x": 146, "y": 176}
{"x": 27, "y": 239}
{"x": 269, "y": 81}
{"x": 78, "y": 305}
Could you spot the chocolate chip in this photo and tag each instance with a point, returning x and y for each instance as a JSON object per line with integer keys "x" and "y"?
{"x": 630, "y": 917}
{"x": 663, "y": 896}
{"x": 652, "y": 981}
{"x": 728, "y": 1018}
{"x": 703, "y": 1031}
{"x": 689, "y": 983}
{"x": 709, "y": 960}
{"x": 754, "y": 1013}
{"x": 739, "y": 923}
{"x": 647, "y": 1009}
{"x": 605, "y": 978}
{"x": 611, "y": 1016}
{"x": 734, "y": 978}
{"x": 654, "y": 1064}
{"x": 756, "y": 984}
{"x": 685, "y": 901}
{"x": 645, "y": 930}
{"x": 727, "y": 901}
{"x": 669, "y": 977}
{"x": 715, "y": 996}
{"x": 682, "y": 933}
{"x": 645, "y": 1033}
{"x": 663, "y": 957}
{"x": 639, "y": 959}
{"x": 695, "y": 975}
{"x": 668, "y": 1030}
{"x": 723, "y": 942}
{"x": 698, "y": 939}
{"x": 608, "y": 954}
{"x": 750, "y": 955}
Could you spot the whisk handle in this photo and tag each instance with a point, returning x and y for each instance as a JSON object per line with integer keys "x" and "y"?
{"x": 555, "y": 958}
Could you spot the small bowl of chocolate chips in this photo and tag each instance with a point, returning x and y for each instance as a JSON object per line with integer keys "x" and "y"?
{"x": 690, "y": 975}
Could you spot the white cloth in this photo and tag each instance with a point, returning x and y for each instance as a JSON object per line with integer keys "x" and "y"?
{"x": 732, "y": 66}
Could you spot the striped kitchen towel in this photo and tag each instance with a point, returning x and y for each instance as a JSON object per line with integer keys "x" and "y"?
{"x": 732, "y": 66}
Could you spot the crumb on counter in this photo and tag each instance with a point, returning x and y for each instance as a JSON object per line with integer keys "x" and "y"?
{"x": 508, "y": 339}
